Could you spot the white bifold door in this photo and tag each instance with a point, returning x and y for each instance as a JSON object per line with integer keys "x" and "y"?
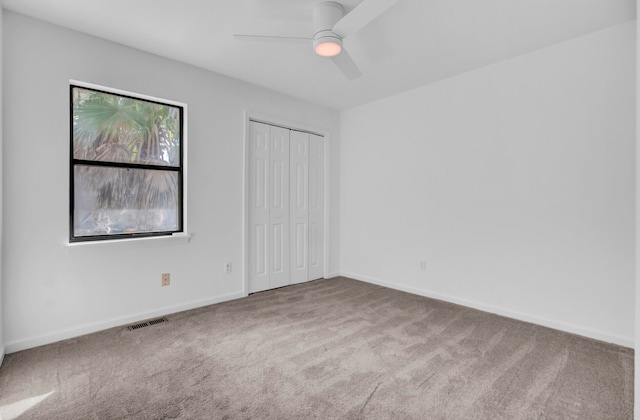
{"x": 286, "y": 207}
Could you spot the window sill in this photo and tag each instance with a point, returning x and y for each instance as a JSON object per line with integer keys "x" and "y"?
{"x": 176, "y": 238}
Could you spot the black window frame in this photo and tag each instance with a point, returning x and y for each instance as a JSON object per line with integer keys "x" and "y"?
{"x": 73, "y": 162}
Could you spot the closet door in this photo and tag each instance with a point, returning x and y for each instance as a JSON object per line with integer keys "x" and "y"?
{"x": 279, "y": 212}
{"x": 259, "y": 205}
{"x": 268, "y": 207}
{"x": 299, "y": 187}
{"x": 286, "y": 207}
{"x": 316, "y": 207}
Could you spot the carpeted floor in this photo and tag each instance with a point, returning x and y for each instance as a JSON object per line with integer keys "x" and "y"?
{"x": 327, "y": 349}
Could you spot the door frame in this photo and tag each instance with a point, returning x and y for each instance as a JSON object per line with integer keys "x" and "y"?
{"x": 291, "y": 125}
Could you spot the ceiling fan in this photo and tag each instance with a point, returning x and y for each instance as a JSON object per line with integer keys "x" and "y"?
{"x": 331, "y": 26}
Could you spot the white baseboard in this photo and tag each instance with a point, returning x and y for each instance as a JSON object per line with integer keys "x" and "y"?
{"x": 570, "y": 328}
{"x": 115, "y": 322}
{"x": 98, "y": 326}
{"x": 1, "y": 357}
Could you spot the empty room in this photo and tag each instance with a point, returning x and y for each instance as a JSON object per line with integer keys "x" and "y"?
{"x": 284, "y": 209}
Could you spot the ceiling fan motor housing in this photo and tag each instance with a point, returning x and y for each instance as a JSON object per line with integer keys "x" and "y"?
{"x": 325, "y": 15}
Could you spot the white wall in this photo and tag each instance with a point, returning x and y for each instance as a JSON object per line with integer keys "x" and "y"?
{"x": 52, "y": 291}
{"x": 514, "y": 182}
{"x": 1, "y": 223}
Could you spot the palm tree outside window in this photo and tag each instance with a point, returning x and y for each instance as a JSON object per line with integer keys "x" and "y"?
{"x": 126, "y": 171}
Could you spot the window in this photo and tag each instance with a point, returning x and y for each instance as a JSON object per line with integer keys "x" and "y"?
{"x": 126, "y": 166}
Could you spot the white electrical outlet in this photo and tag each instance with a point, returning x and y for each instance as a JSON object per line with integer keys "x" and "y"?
{"x": 227, "y": 267}
{"x": 423, "y": 265}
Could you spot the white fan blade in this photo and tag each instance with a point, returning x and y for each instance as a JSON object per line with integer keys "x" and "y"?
{"x": 346, "y": 64}
{"x": 359, "y": 17}
{"x": 271, "y": 38}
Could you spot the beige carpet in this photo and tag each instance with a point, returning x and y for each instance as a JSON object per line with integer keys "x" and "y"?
{"x": 326, "y": 349}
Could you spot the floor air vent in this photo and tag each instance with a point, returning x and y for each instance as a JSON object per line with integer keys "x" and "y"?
{"x": 146, "y": 323}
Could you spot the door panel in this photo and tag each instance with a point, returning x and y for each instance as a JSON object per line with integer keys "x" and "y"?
{"x": 279, "y": 209}
{"x": 259, "y": 231}
{"x": 316, "y": 207}
{"x": 299, "y": 160}
{"x": 299, "y": 252}
{"x": 278, "y": 244}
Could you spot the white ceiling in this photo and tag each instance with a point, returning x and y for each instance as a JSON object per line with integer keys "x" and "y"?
{"x": 414, "y": 43}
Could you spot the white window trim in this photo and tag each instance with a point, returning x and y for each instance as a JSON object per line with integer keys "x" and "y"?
{"x": 183, "y": 236}
{"x": 179, "y": 238}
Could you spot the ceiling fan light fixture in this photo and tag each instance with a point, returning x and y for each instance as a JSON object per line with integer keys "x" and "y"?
{"x": 327, "y": 45}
